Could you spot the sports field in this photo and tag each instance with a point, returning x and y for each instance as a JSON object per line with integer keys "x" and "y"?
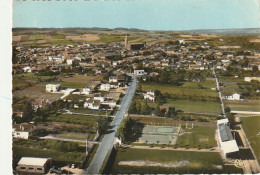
{"x": 141, "y": 161}
{"x": 197, "y": 137}
{"x": 251, "y": 127}
{"x": 158, "y": 135}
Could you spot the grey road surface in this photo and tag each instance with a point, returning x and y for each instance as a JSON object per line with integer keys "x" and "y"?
{"x": 107, "y": 143}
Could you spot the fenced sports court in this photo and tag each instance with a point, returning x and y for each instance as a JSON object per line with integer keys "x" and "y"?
{"x": 159, "y": 135}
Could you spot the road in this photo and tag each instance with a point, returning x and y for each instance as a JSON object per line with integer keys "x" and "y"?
{"x": 220, "y": 94}
{"x": 107, "y": 143}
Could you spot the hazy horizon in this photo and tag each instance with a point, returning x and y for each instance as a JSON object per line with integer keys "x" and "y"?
{"x": 164, "y": 15}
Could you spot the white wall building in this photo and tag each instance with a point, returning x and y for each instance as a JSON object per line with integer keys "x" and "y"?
{"x": 52, "y": 87}
{"x": 86, "y": 91}
{"x": 33, "y": 165}
{"x": 105, "y": 87}
{"x": 69, "y": 61}
{"x": 139, "y": 72}
{"x": 149, "y": 95}
{"x": 235, "y": 96}
{"x": 22, "y": 131}
{"x": 226, "y": 142}
{"x": 27, "y": 69}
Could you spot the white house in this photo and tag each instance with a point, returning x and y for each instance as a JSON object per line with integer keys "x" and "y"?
{"x": 225, "y": 140}
{"x": 235, "y": 96}
{"x": 149, "y": 95}
{"x": 52, "y": 87}
{"x": 27, "y": 69}
{"x": 69, "y": 61}
{"x": 249, "y": 79}
{"x": 92, "y": 104}
{"x": 22, "y": 130}
{"x": 113, "y": 79}
{"x": 86, "y": 91}
{"x": 181, "y": 41}
{"x": 105, "y": 87}
{"x": 139, "y": 72}
{"x": 99, "y": 97}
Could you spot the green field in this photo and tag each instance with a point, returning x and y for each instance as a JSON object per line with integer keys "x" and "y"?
{"x": 59, "y": 158}
{"x": 88, "y": 111}
{"x": 75, "y": 97}
{"x": 251, "y": 127}
{"x": 32, "y": 76}
{"x": 195, "y": 106}
{"x": 61, "y": 42}
{"x": 37, "y": 37}
{"x": 113, "y": 38}
{"x": 243, "y": 105}
{"x": 189, "y": 90}
{"x": 58, "y": 36}
{"x": 203, "y": 136}
{"x": 75, "y": 119}
{"x": 200, "y": 162}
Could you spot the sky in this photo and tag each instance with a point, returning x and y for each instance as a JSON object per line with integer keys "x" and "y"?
{"x": 141, "y": 14}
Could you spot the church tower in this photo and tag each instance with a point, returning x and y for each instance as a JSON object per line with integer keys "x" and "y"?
{"x": 126, "y": 41}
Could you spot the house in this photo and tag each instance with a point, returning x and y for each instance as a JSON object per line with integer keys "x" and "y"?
{"x": 86, "y": 91}
{"x": 23, "y": 130}
{"x": 235, "y": 96}
{"x": 18, "y": 114}
{"x": 164, "y": 109}
{"x": 249, "y": 79}
{"x": 69, "y": 61}
{"x": 105, "y": 87}
{"x": 99, "y": 97}
{"x": 225, "y": 140}
{"x": 52, "y": 87}
{"x": 33, "y": 165}
{"x": 27, "y": 69}
{"x": 38, "y": 103}
{"x": 113, "y": 79}
{"x": 149, "y": 95}
{"x": 139, "y": 72}
{"x": 92, "y": 104}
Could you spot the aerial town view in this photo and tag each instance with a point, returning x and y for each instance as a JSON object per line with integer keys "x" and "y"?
{"x": 133, "y": 100}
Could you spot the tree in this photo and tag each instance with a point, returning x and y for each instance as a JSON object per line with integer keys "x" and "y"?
{"x": 102, "y": 125}
{"x": 145, "y": 109}
{"x": 125, "y": 130}
{"x": 28, "y": 112}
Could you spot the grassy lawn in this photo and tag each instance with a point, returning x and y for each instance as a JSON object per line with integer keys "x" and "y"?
{"x": 195, "y": 106}
{"x": 203, "y": 136}
{"x": 253, "y": 105}
{"x": 200, "y": 162}
{"x": 251, "y": 126}
{"x": 189, "y": 90}
{"x": 75, "y": 119}
{"x": 59, "y": 158}
{"x": 21, "y": 84}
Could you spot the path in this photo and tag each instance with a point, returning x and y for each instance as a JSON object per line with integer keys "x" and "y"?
{"x": 107, "y": 143}
{"x": 53, "y": 137}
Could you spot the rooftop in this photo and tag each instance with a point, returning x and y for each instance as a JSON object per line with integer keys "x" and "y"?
{"x": 33, "y": 161}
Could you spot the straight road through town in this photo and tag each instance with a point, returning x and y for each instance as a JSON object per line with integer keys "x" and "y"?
{"x": 107, "y": 143}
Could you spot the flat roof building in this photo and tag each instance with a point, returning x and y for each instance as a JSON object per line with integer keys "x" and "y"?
{"x": 33, "y": 165}
{"x": 226, "y": 142}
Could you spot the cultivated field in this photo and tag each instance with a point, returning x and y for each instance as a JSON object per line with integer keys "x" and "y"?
{"x": 36, "y": 91}
{"x": 143, "y": 161}
{"x": 195, "y": 106}
{"x": 189, "y": 90}
{"x": 245, "y": 105}
{"x": 251, "y": 127}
